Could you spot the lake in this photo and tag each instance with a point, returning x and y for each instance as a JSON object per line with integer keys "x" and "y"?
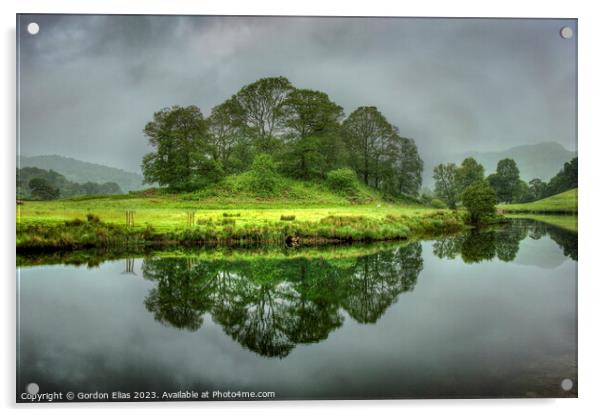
{"x": 482, "y": 314}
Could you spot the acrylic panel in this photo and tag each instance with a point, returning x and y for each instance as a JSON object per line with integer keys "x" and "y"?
{"x": 295, "y": 208}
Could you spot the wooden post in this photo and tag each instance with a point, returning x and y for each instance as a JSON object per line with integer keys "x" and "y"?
{"x": 190, "y": 214}
{"x": 129, "y": 218}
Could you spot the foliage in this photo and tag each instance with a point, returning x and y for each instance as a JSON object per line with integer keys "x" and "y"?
{"x": 566, "y": 179}
{"x": 436, "y": 203}
{"x": 504, "y": 243}
{"x": 81, "y": 172}
{"x": 310, "y": 113}
{"x": 301, "y": 129}
{"x": 469, "y": 172}
{"x": 479, "y": 200}
{"x": 42, "y": 190}
{"x": 565, "y": 202}
{"x": 228, "y": 137}
{"x": 446, "y": 186}
{"x": 57, "y": 181}
{"x": 180, "y": 138}
{"x": 506, "y": 181}
{"x": 343, "y": 181}
{"x": 262, "y": 108}
{"x": 264, "y": 177}
{"x": 381, "y": 158}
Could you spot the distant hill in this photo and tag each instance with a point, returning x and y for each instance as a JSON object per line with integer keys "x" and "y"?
{"x": 542, "y": 160}
{"x": 82, "y": 172}
{"x": 55, "y": 181}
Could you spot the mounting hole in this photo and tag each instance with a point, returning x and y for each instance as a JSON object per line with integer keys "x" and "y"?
{"x": 33, "y": 28}
{"x": 566, "y": 384}
{"x": 32, "y": 388}
{"x": 566, "y": 32}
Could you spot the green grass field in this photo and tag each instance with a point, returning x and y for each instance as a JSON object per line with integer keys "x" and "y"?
{"x": 227, "y": 215}
{"x": 166, "y": 213}
{"x": 565, "y": 202}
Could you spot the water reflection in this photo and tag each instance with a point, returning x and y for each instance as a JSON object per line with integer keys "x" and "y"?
{"x": 271, "y": 305}
{"x": 503, "y": 243}
{"x": 334, "y": 322}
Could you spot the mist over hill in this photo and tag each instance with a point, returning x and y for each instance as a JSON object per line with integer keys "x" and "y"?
{"x": 81, "y": 171}
{"x": 542, "y": 160}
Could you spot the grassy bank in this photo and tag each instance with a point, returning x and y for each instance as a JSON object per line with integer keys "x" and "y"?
{"x": 305, "y": 214}
{"x": 94, "y": 257}
{"x": 563, "y": 203}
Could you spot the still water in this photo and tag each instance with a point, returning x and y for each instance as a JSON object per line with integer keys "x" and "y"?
{"x": 488, "y": 314}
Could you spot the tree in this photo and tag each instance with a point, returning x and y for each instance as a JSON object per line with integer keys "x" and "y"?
{"x": 262, "y": 105}
{"x": 537, "y": 189}
{"x": 479, "y": 199}
{"x": 304, "y": 159}
{"x": 469, "y": 172}
{"x": 228, "y": 136}
{"x": 311, "y": 113}
{"x": 181, "y": 159}
{"x": 505, "y": 181}
{"x": 368, "y": 136}
{"x": 566, "y": 179}
{"x": 409, "y": 168}
{"x": 446, "y": 187}
{"x": 41, "y": 189}
{"x": 314, "y": 145}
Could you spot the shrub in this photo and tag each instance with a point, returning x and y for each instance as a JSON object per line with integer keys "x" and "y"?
{"x": 343, "y": 181}
{"x": 228, "y": 221}
{"x": 93, "y": 218}
{"x": 438, "y": 204}
{"x": 287, "y": 218}
{"x": 479, "y": 200}
{"x": 264, "y": 178}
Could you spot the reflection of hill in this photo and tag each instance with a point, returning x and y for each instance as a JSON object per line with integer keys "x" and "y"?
{"x": 270, "y": 306}
{"x": 504, "y": 243}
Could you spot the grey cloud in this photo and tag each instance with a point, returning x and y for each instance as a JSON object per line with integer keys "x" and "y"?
{"x": 90, "y": 83}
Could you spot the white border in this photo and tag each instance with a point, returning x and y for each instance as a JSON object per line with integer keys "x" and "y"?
{"x": 590, "y": 287}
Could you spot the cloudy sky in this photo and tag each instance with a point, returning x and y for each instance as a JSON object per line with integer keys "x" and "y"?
{"x": 88, "y": 84}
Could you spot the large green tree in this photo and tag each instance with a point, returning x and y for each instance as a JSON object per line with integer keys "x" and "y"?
{"x": 506, "y": 181}
{"x": 479, "y": 200}
{"x": 446, "y": 186}
{"x": 469, "y": 172}
{"x": 408, "y": 167}
{"x": 311, "y": 113}
{"x": 181, "y": 157}
{"x": 228, "y": 137}
{"x": 262, "y": 105}
{"x": 314, "y": 146}
{"x": 369, "y": 138}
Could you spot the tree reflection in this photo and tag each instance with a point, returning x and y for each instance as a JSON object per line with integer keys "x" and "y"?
{"x": 269, "y": 306}
{"x": 503, "y": 243}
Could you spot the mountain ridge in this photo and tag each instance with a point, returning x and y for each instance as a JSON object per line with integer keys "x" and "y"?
{"x": 541, "y": 160}
{"x": 82, "y": 171}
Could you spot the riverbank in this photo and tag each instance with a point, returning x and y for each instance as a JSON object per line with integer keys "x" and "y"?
{"x": 563, "y": 203}
{"x": 157, "y": 221}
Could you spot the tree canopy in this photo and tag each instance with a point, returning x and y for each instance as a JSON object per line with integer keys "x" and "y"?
{"x": 302, "y": 130}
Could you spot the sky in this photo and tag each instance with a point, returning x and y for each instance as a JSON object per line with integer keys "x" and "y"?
{"x": 88, "y": 84}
